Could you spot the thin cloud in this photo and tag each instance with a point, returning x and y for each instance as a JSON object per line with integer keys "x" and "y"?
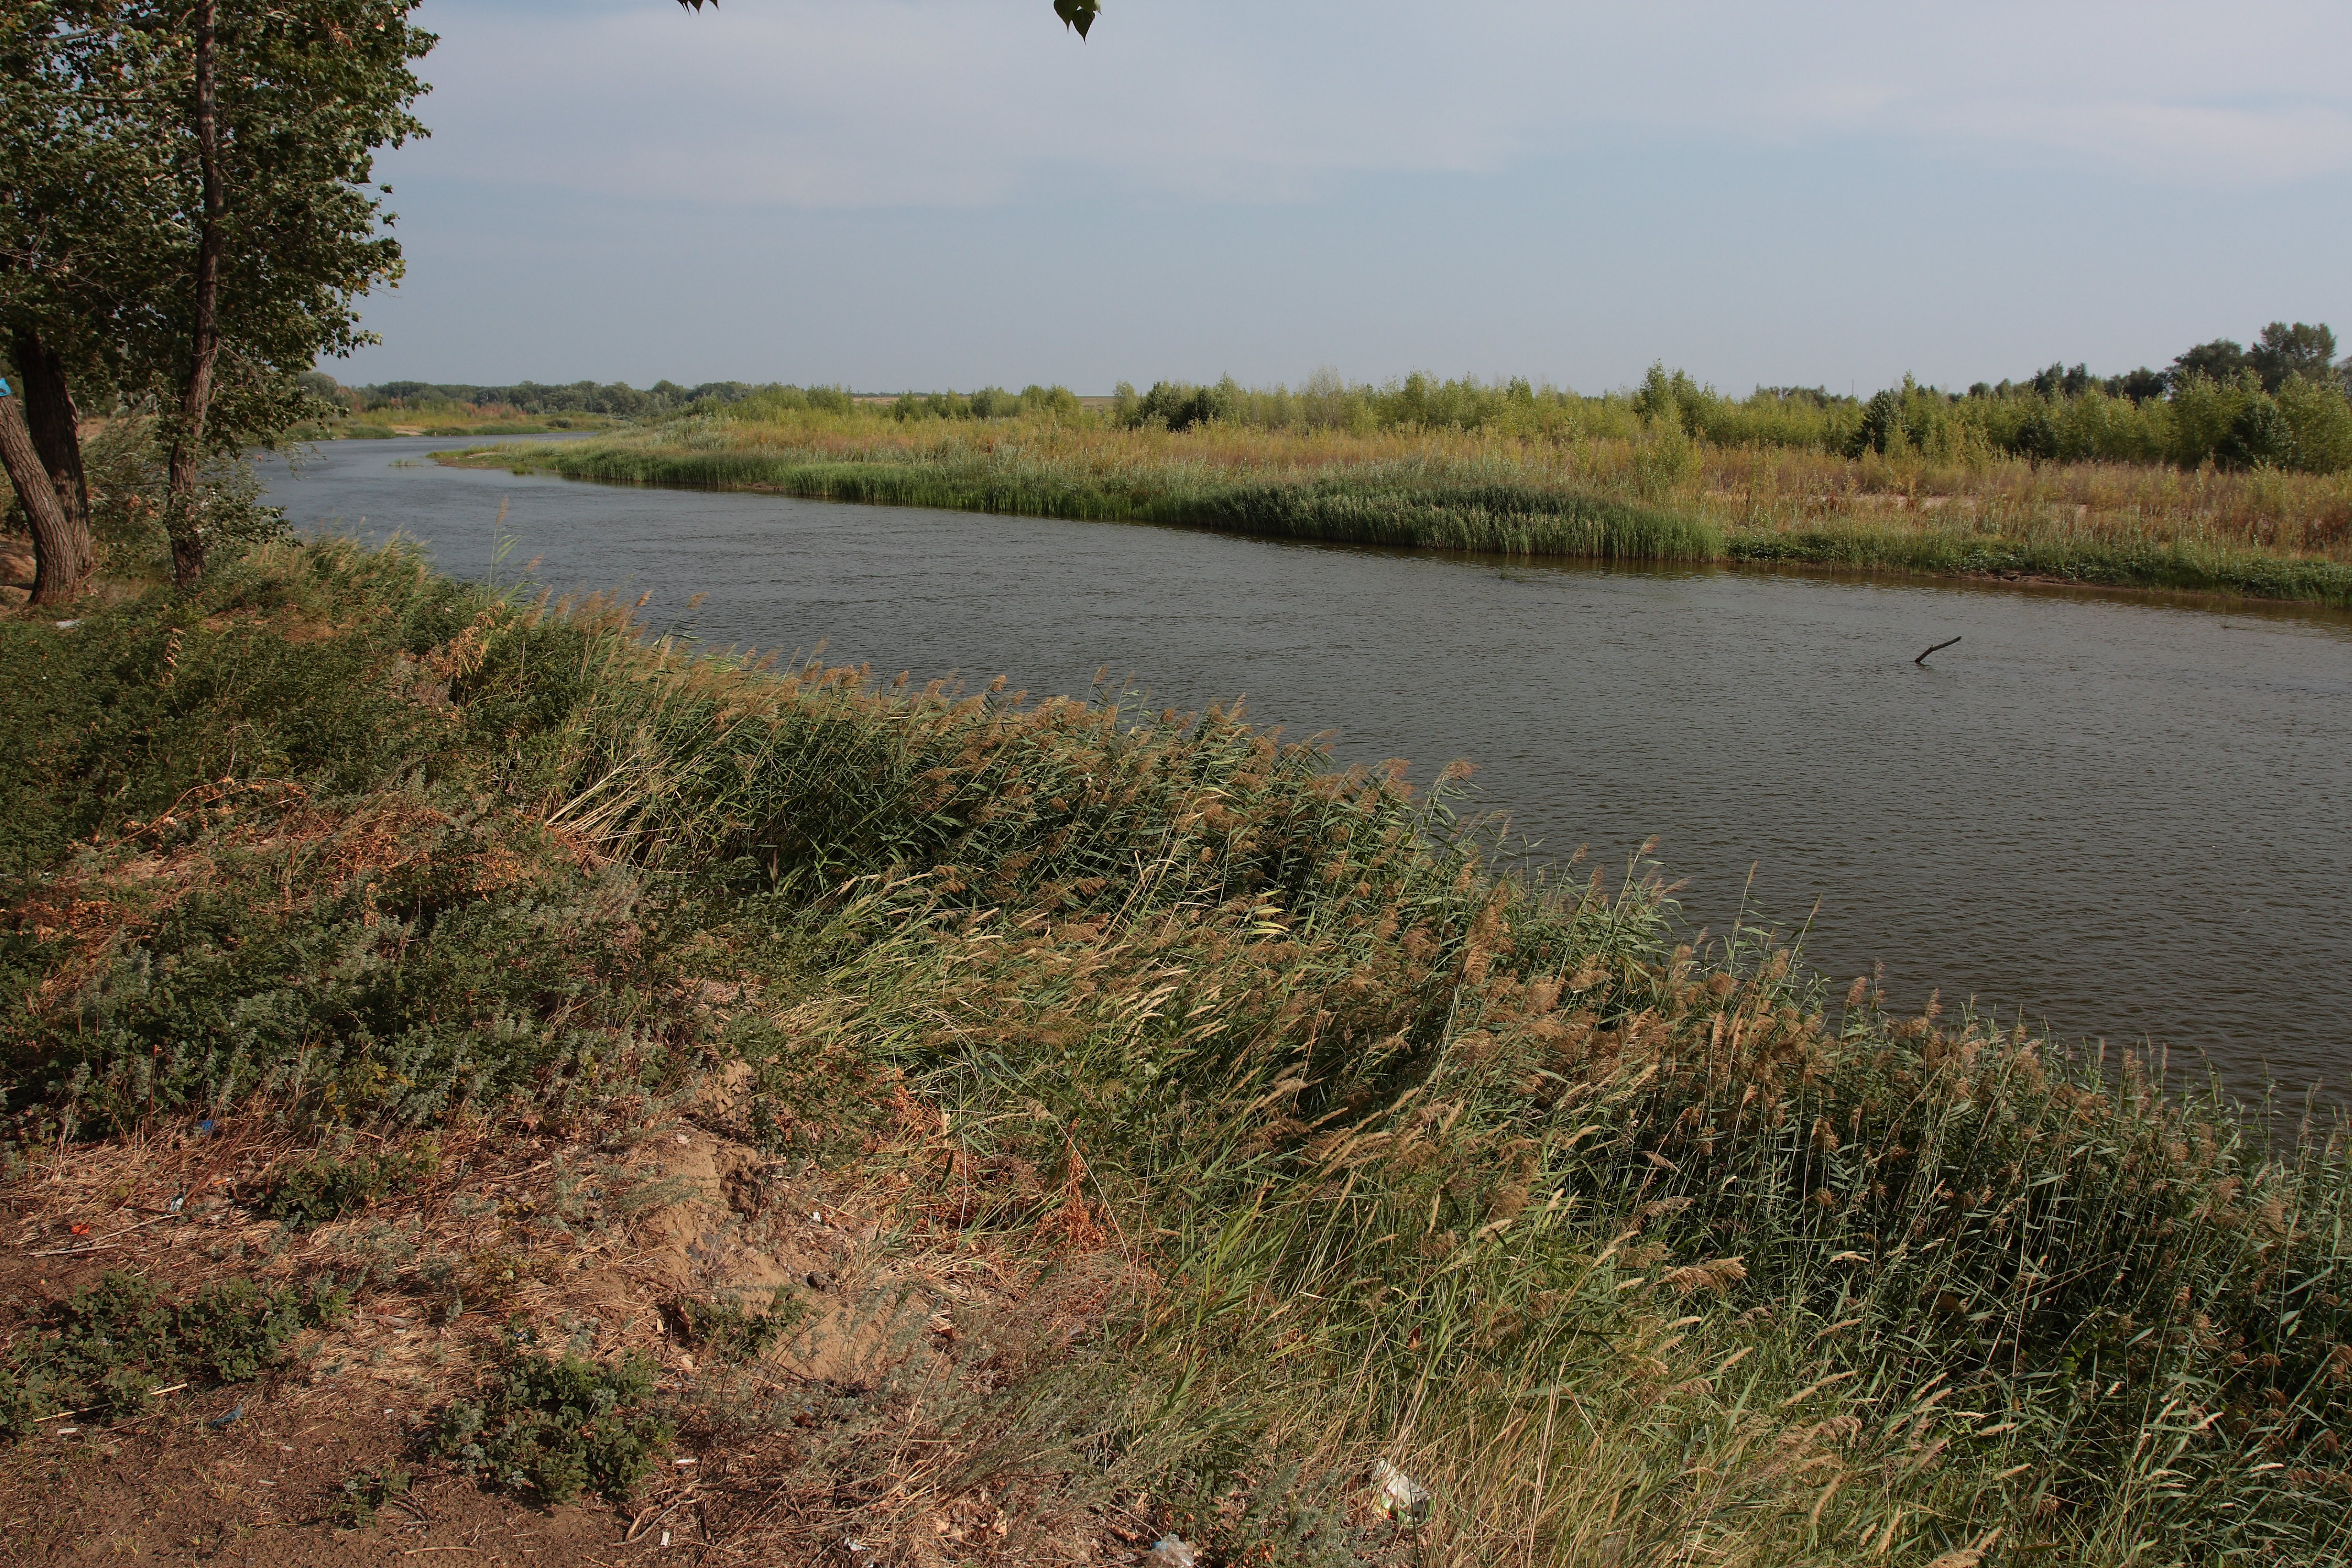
{"x": 898, "y": 103}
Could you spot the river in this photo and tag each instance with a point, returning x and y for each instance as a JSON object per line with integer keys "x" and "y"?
{"x": 2122, "y": 818}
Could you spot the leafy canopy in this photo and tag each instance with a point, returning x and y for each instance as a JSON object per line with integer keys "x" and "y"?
{"x": 100, "y": 216}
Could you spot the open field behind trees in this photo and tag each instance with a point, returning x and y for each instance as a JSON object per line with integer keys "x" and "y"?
{"x": 1003, "y": 1133}
{"x": 1911, "y": 480}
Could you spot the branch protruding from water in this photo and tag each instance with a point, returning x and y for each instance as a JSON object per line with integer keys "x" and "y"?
{"x": 1948, "y": 642}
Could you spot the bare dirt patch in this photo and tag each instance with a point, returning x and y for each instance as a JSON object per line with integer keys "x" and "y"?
{"x": 593, "y": 1237}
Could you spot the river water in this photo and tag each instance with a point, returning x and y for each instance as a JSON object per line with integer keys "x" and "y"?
{"x": 2124, "y": 819}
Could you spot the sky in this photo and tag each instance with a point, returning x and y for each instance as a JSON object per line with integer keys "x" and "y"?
{"x": 929, "y": 194}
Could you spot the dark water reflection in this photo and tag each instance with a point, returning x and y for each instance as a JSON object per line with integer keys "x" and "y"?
{"x": 2129, "y": 819}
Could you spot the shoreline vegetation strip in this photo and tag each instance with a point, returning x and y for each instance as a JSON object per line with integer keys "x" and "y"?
{"x": 1323, "y": 1142}
{"x": 1400, "y": 510}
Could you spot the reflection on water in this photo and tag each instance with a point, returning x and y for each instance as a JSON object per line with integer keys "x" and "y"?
{"x": 2129, "y": 819}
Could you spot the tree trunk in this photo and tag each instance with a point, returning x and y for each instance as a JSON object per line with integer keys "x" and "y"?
{"x": 188, "y": 442}
{"x": 50, "y": 416}
{"x": 54, "y": 580}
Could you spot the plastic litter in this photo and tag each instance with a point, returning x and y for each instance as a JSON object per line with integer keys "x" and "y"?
{"x": 205, "y": 1126}
{"x": 1401, "y": 1498}
{"x": 1170, "y": 1551}
{"x": 233, "y": 1415}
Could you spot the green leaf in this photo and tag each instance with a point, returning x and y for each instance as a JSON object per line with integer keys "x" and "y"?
{"x": 1078, "y": 13}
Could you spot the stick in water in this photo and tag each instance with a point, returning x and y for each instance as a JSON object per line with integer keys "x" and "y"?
{"x": 1946, "y": 643}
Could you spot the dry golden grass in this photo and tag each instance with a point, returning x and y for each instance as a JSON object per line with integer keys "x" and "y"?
{"x": 1748, "y": 493}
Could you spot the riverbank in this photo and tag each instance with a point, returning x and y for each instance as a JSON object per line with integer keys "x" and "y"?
{"x": 461, "y": 423}
{"x": 1655, "y": 498}
{"x": 1030, "y": 1130}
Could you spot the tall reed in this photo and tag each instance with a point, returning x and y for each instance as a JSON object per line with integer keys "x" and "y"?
{"x": 1311, "y": 1142}
{"x": 1656, "y": 494}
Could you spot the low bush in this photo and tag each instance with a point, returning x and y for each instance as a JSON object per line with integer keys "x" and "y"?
{"x": 328, "y": 1187}
{"x": 552, "y": 1426}
{"x": 732, "y": 1331}
{"x": 103, "y": 1351}
{"x": 362, "y": 1495}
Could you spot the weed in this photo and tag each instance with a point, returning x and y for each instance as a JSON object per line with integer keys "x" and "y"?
{"x": 552, "y": 1426}
{"x": 361, "y": 1495}
{"x": 104, "y": 1350}
{"x": 2084, "y": 491}
{"x": 326, "y": 1186}
{"x": 1304, "y": 1140}
{"x": 728, "y": 1329}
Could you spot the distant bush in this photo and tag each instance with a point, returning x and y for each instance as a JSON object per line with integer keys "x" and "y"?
{"x": 2259, "y": 437}
{"x": 1180, "y": 406}
{"x": 770, "y": 401}
{"x": 1052, "y": 402}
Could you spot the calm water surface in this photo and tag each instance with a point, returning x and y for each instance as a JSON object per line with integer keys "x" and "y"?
{"x": 2125, "y": 819}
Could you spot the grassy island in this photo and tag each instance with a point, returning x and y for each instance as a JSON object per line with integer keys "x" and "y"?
{"x": 2101, "y": 491}
{"x": 790, "y": 1110}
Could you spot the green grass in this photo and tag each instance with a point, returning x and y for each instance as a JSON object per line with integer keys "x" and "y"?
{"x": 1335, "y": 1145}
{"x": 2149, "y": 564}
{"x": 1374, "y": 509}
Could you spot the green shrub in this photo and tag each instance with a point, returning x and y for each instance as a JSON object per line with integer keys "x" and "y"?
{"x": 104, "y": 1350}
{"x": 364, "y": 1493}
{"x": 325, "y": 1187}
{"x": 2259, "y": 436}
{"x": 2319, "y": 418}
{"x": 1180, "y": 406}
{"x": 724, "y": 1329}
{"x": 553, "y": 1425}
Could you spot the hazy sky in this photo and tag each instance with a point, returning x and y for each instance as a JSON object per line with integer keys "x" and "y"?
{"x": 948, "y": 192}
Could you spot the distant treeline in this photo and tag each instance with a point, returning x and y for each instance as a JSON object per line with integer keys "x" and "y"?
{"x": 615, "y": 398}
{"x": 2285, "y": 403}
{"x": 2282, "y": 404}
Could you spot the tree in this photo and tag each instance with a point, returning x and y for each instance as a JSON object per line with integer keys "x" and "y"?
{"x": 199, "y": 224}
{"x": 2059, "y": 382}
{"x": 2219, "y": 361}
{"x": 284, "y": 109}
{"x": 80, "y": 242}
{"x": 61, "y": 558}
{"x": 2139, "y": 385}
{"x": 2303, "y": 349}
